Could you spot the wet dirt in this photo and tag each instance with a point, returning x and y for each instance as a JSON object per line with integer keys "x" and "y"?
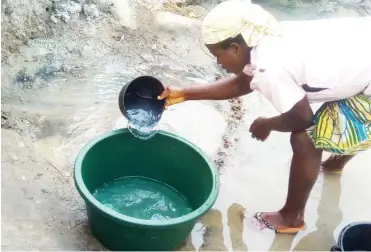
{"x": 59, "y": 90}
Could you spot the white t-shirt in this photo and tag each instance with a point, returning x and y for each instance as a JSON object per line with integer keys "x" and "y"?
{"x": 325, "y": 60}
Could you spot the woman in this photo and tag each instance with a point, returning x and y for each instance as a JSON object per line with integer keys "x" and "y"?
{"x": 326, "y": 63}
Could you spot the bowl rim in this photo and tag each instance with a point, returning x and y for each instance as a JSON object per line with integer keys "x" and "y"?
{"x": 125, "y": 88}
{"x": 87, "y": 196}
{"x": 346, "y": 229}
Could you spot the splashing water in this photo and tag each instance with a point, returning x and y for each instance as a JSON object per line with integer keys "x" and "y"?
{"x": 143, "y": 198}
{"x": 142, "y": 124}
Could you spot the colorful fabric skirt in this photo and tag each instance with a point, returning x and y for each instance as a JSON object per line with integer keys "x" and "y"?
{"x": 343, "y": 127}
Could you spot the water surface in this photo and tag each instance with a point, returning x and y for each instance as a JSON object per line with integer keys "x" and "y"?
{"x": 143, "y": 198}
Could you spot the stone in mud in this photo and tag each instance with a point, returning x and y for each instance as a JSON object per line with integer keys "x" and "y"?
{"x": 68, "y": 6}
{"x": 91, "y": 11}
{"x": 173, "y": 22}
{"x": 5, "y": 120}
{"x": 8, "y": 10}
{"x": 50, "y": 70}
{"x": 24, "y": 79}
{"x": 53, "y": 19}
{"x": 65, "y": 9}
{"x": 65, "y": 17}
{"x": 124, "y": 13}
{"x": 148, "y": 57}
{"x": 105, "y": 5}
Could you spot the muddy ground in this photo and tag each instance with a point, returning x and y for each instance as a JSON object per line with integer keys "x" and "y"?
{"x": 63, "y": 64}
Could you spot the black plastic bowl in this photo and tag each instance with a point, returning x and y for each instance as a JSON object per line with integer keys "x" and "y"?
{"x": 142, "y": 93}
{"x": 354, "y": 237}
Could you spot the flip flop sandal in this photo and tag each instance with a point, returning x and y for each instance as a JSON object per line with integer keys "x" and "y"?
{"x": 281, "y": 229}
{"x": 333, "y": 171}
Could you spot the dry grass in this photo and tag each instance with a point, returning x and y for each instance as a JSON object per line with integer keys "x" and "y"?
{"x": 183, "y": 9}
{"x": 192, "y": 11}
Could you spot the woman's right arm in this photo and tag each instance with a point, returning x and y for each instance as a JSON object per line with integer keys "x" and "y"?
{"x": 222, "y": 89}
{"x": 225, "y": 88}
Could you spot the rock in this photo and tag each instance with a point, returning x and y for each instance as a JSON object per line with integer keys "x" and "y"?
{"x": 68, "y": 7}
{"x": 53, "y": 19}
{"x": 105, "y": 5}
{"x": 148, "y": 57}
{"x": 25, "y": 79}
{"x": 50, "y": 69}
{"x": 65, "y": 17}
{"x": 91, "y": 11}
{"x": 8, "y": 10}
{"x": 125, "y": 13}
{"x": 174, "y": 22}
{"x": 65, "y": 9}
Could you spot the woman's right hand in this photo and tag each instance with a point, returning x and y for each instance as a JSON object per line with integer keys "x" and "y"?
{"x": 173, "y": 95}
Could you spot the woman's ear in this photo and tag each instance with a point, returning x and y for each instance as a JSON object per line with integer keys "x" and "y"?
{"x": 236, "y": 48}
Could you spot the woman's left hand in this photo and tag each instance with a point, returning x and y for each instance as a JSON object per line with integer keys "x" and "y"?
{"x": 260, "y": 129}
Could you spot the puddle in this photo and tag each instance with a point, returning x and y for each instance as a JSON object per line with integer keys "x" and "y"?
{"x": 76, "y": 109}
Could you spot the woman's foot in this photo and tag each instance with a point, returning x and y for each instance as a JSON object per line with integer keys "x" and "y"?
{"x": 335, "y": 163}
{"x": 304, "y": 170}
{"x": 282, "y": 223}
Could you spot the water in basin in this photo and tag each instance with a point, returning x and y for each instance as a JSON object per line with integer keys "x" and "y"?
{"x": 143, "y": 198}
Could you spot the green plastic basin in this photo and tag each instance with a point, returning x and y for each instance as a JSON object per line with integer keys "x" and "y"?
{"x": 166, "y": 158}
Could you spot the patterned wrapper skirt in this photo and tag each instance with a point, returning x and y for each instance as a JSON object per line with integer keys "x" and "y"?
{"x": 343, "y": 127}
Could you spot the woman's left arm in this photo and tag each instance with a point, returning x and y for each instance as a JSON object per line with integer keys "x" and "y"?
{"x": 299, "y": 117}
{"x": 280, "y": 88}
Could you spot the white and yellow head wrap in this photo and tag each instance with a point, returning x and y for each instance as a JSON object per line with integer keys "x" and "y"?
{"x": 235, "y": 17}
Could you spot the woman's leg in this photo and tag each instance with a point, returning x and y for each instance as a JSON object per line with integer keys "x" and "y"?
{"x": 305, "y": 165}
{"x": 350, "y": 116}
{"x": 336, "y": 163}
